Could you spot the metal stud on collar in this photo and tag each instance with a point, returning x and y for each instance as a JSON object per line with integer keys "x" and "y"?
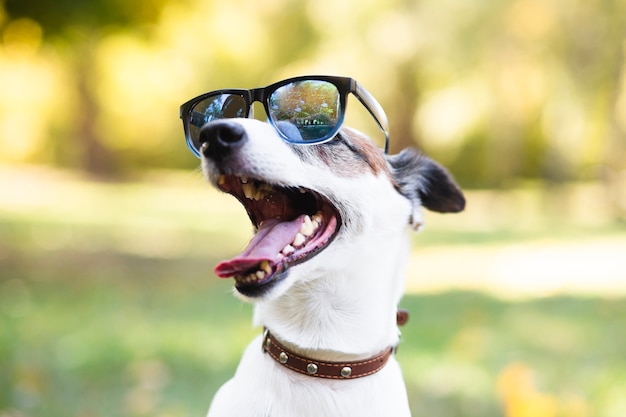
{"x": 311, "y": 368}
{"x": 267, "y": 343}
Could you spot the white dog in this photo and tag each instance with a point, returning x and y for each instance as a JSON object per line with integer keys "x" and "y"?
{"x": 325, "y": 268}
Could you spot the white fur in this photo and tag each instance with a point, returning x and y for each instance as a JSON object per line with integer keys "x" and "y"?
{"x": 339, "y": 305}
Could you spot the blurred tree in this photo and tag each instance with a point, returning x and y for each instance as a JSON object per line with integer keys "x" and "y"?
{"x": 76, "y": 27}
{"x": 402, "y": 125}
{"x": 497, "y": 91}
{"x": 541, "y": 76}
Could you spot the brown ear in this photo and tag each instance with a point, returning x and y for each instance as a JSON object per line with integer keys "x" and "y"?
{"x": 425, "y": 182}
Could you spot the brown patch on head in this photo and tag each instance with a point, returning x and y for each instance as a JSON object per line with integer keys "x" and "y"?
{"x": 355, "y": 153}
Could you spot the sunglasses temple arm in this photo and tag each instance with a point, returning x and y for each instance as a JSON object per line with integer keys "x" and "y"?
{"x": 375, "y": 109}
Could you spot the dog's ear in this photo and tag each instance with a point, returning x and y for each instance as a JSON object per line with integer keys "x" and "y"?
{"x": 423, "y": 181}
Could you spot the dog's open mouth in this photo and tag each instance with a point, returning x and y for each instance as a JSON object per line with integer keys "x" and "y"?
{"x": 292, "y": 225}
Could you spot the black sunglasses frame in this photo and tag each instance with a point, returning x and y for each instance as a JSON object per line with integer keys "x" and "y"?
{"x": 345, "y": 85}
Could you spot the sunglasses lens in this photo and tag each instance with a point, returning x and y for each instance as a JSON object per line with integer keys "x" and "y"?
{"x": 219, "y": 106}
{"x": 306, "y": 111}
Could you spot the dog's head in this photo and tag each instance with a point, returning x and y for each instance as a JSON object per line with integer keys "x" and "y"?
{"x": 303, "y": 200}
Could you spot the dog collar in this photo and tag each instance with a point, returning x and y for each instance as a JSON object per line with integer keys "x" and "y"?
{"x": 330, "y": 370}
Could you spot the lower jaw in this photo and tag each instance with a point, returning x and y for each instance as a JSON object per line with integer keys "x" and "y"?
{"x": 259, "y": 290}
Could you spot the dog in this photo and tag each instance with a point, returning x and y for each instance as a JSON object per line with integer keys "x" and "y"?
{"x": 325, "y": 268}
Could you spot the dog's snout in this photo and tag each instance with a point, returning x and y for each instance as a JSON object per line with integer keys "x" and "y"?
{"x": 220, "y": 137}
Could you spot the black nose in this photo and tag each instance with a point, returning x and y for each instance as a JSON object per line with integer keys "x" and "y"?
{"x": 221, "y": 137}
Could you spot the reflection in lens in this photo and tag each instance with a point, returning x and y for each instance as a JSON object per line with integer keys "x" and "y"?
{"x": 311, "y": 108}
{"x": 289, "y": 130}
{"x": 221, "y": 106}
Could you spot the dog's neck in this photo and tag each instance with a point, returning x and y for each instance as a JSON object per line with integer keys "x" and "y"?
{"x": 346, "y": 312}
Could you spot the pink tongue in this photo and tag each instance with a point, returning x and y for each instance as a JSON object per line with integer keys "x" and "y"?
{"x": 270, "y": 239}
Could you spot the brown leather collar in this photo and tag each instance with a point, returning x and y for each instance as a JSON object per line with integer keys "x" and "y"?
{"x": 330, "y": 370}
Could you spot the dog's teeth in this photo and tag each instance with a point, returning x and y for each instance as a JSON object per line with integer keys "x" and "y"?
{"x": 250, "y": 278}
{"x": 264, "y": 266}
{"x": 302, "y": 191}
{"x": 244, "y": 180}
{"x": 298, "y": 240}
{"x": 288, "y": 250}
{"x": 307, "y": 227}
{"x": 307, "y": 231}
{"x": 259, "y": 195}
{"x": 317, "y": 217}
{"x": 221, "y": 180}
{"x": 248, "y": 190}
{"x": 254, "y": 192}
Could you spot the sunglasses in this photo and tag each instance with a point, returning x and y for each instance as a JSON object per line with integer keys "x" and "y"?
{"x": 303, "y": 110}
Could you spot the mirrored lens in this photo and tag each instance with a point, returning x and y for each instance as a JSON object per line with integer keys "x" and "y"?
{"x": 306, "y": 111}
{"x": 220, "y": 106}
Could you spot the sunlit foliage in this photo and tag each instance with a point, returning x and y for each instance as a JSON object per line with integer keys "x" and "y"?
{"x": 498, "y": 91}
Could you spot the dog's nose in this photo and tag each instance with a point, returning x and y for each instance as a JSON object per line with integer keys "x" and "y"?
{"x": 220, "y": 137}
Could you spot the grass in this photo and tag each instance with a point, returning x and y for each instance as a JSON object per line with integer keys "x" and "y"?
{"x": 150, "y": 340}
{"x": 108, "y": 307}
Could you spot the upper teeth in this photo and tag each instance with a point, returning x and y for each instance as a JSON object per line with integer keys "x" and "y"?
{"x": 254, "y": 192}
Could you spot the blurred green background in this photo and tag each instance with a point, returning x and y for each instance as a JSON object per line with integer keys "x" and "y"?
{"x": 108, "y": 233}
